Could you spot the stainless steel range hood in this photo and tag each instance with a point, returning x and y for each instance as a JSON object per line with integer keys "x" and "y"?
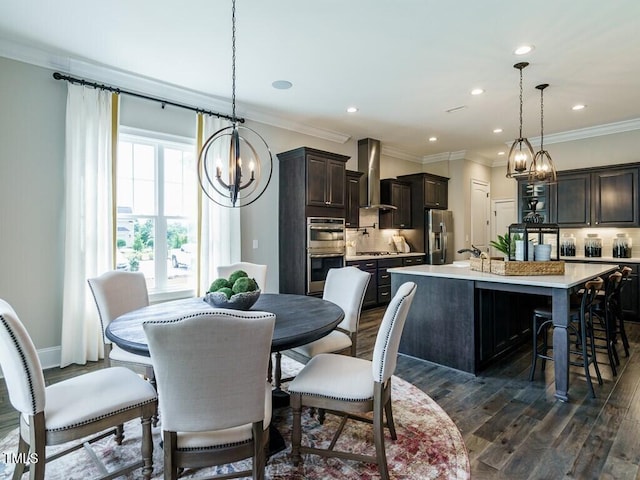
{"x": 369, "y": 164}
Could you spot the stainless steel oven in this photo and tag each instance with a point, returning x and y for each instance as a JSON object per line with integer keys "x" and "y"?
{"x": 325, "y": 250}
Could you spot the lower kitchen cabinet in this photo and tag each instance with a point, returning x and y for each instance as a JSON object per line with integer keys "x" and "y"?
{"x": 379, "y": 288}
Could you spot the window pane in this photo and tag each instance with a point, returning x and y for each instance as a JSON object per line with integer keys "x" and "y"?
{"x": 143, "y": 162}
{"x": 182, "y": 254}
{"x": 136, "y": 247}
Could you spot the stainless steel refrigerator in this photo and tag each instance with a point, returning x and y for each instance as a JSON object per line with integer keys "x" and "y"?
{"x": 438, "y": 236}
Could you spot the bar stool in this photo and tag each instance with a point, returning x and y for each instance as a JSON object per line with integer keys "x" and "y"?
{"x": 617, "y": 310}
{"x": 580, "y": 326}
{"x": 604, "y": 319}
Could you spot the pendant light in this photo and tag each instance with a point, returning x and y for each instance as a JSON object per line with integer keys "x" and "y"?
{"x": 542, "y": 169}
{"x": 243, "y": 177}
{"x": 521, "y": 151}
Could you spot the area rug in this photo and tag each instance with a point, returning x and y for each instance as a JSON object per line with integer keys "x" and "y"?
{"x": 429, "y": 446}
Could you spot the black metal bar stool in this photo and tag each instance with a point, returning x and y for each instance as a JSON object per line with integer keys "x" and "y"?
{"x": 604, "y": 319}
{"x": 580, "y": 326}
{"x": 617, "y": 309}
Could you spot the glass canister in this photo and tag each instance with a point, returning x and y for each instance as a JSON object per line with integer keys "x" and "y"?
{"x": 592, "y": 245}
{"x": 568, "y": 245}
{"x": 622, "y": 246}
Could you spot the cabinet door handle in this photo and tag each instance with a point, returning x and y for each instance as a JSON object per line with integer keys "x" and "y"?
{"x": 384, "y": 294}
{"x": 369, "y": 264}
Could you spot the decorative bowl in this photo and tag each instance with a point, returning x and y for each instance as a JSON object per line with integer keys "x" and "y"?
{"x": 239, "y": 301}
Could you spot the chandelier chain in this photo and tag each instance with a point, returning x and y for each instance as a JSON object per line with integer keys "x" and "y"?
{"x": 233, "y": 61}
{"x": 520, "y": 103}
{"x": 542, "y": 119}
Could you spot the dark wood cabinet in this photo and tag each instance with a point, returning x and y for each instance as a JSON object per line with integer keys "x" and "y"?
{"x": 539, "y": 194}
{"x": 597, "y": 198}
{"x": 427, "y": 191}
{"x": 384, "y": 278}
{"x": 614, "y": 197}
{"x": 309, "y": 178}
{"x": 352, "y": 208}
{"x": 398, "y": 194}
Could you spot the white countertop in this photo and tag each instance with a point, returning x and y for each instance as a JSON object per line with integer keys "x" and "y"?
{"x": 574, "y": 274}
{"x": 355, "y": 258}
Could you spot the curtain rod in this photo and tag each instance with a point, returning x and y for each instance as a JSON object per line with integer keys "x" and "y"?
{"x": 81, "y": 81}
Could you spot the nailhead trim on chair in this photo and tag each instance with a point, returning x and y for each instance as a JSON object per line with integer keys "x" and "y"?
{"x": 342, "y": 399}
{"x": 386, "y": 340}
{"x": 91, "y": 420}
{"x": 23, "y": 357}
{"x": 223, "y": 445}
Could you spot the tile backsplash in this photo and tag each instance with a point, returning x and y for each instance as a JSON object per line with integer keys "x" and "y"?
{"x": 368, "y": 238}
{"x": 607, "y": 235}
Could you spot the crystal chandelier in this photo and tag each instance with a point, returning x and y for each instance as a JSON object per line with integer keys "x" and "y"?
{"x": 521, "y": 151}
{"x": 542, "y": 168}
{"x": 243, "y": 177}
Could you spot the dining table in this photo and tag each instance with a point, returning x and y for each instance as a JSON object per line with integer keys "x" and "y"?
{"x": 300, "y": 319}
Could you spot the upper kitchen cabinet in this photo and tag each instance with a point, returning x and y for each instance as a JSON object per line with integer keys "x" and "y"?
{"x": 534, "y": 197}
{"x": 598, "y": 198}
{"x": 398, "y": 194}
{"x": 352, "y": 209}
{"x": 428, "y": 190}
{"x": 315, "y": 179}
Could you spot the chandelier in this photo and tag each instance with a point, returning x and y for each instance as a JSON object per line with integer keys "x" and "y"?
{"x": 542, "y": 169}
{"x": 230, "y": 170}
{"x": 521, "y": 151}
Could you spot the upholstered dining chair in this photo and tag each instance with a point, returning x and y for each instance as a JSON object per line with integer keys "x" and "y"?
{"x": 254, "y": 270}
{"x": 346, "y": 288}
{"x": 340, "y": 383}
{"x": 215, "y": 401}
{"x": 115, "y": 294}
{"x": 71, "y": 409}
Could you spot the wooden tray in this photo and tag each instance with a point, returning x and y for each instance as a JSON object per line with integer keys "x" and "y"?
{"x": 501, "y": 267}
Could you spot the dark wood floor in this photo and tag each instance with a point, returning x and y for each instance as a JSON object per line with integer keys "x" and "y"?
{"x": 513, "y": 428}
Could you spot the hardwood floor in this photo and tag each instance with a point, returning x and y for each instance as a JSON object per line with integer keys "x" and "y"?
{"x": 513, "y": 428}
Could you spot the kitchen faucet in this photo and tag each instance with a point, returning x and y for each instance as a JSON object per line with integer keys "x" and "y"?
{"x": 475, "y": 251}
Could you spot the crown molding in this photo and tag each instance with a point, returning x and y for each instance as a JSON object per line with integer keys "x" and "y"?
{"x": 149, "y": 86}
{"x": 588, "y": 132}
{"x": 399, "y": 154}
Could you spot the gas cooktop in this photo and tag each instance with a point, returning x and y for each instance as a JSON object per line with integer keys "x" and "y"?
{"x": 376, "y": 254}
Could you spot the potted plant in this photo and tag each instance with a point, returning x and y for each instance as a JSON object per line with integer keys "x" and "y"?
{"x": 504, "y": 244}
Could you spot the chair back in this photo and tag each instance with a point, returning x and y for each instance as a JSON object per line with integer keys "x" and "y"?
{"x": 346, "y": 288}
{"x": 20, "y": 364}
{"x": 590, "y": 295}
{"x": 385, "y": 351}
{"x": 211, "y": 368}
{"x": 117, "y": 293}
{"x": 256, "y": 271}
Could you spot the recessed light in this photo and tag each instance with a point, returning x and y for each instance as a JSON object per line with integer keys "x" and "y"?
{"x": 282, "y": 84}
{"x": 433, "y": 139}
{"x": 523, "y": 49}
{"x": 352, "y": 109}
{"x": 500, "y": 153}
{"x": 477, "y": 91}
{"x": 497, "y": 130}
{"x": 579, "y": 106}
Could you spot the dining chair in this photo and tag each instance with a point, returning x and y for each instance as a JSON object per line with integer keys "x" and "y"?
{"x": 346, "y": 288}
{"x": 254, "y": 270}
{"x": 85, "y": 405}
{"x": 581, "y": 327}
{"x": 350, "y": 386}
{"x": 116, "y": 293}
{"x": 215, "y": 401}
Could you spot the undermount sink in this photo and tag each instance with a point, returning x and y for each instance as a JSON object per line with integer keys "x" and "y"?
{"x": 461, "y": 263}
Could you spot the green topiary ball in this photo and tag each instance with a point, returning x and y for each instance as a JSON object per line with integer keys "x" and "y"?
{"x": 244, "y": 284}
{"x": 227, "y": 291}
{"x": 220, "y": 283}
{"x": 236, "y": 275}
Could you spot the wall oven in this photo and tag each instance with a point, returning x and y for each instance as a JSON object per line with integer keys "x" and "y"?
{"x": 325, "y": 250}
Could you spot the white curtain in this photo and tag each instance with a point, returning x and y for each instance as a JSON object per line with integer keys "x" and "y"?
{"x": 88, "y": 218}
{"x": 219, "y": 237}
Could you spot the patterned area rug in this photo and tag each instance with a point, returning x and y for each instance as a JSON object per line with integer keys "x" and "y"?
{"x": 429, "y": 446}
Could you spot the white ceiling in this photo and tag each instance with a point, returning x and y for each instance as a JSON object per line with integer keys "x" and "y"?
{"x": 402, "y": 63}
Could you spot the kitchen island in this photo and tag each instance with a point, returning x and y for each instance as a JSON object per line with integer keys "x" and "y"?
{"x": 465, "y": 319}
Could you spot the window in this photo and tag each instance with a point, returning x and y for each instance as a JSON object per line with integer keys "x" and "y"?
{"x": 157, "y": 192}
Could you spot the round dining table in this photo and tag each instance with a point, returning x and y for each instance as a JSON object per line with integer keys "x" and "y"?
{"x": 300, "y": 319}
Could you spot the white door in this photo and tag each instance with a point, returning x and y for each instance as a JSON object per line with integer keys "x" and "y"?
{"x": 480, "y": 214}
{"x": 504, "y": 214}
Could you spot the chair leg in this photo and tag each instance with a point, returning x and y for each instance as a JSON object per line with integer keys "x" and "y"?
{"x": 147, "y": 448}
{"x": 296, "y": 432}
{"x": 389, "y": 414}
{"x": 37, "y": 442}
{"x": 119, "y": 436}
{"x": 623, "y": 334}
{"x": 258, "y": 451}
{"x": 23, "y": 451}
{"x": 378, "y": 431}
{"x": 169, "y": 440}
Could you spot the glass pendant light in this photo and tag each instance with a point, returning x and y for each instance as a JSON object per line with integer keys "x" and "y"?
{"x": 243, "y": 177}
{"x": 521, "y": 151}
{"x": 542, "y": 168}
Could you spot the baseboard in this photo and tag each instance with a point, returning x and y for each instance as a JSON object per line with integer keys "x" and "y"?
{"x": 49, "y": 358}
